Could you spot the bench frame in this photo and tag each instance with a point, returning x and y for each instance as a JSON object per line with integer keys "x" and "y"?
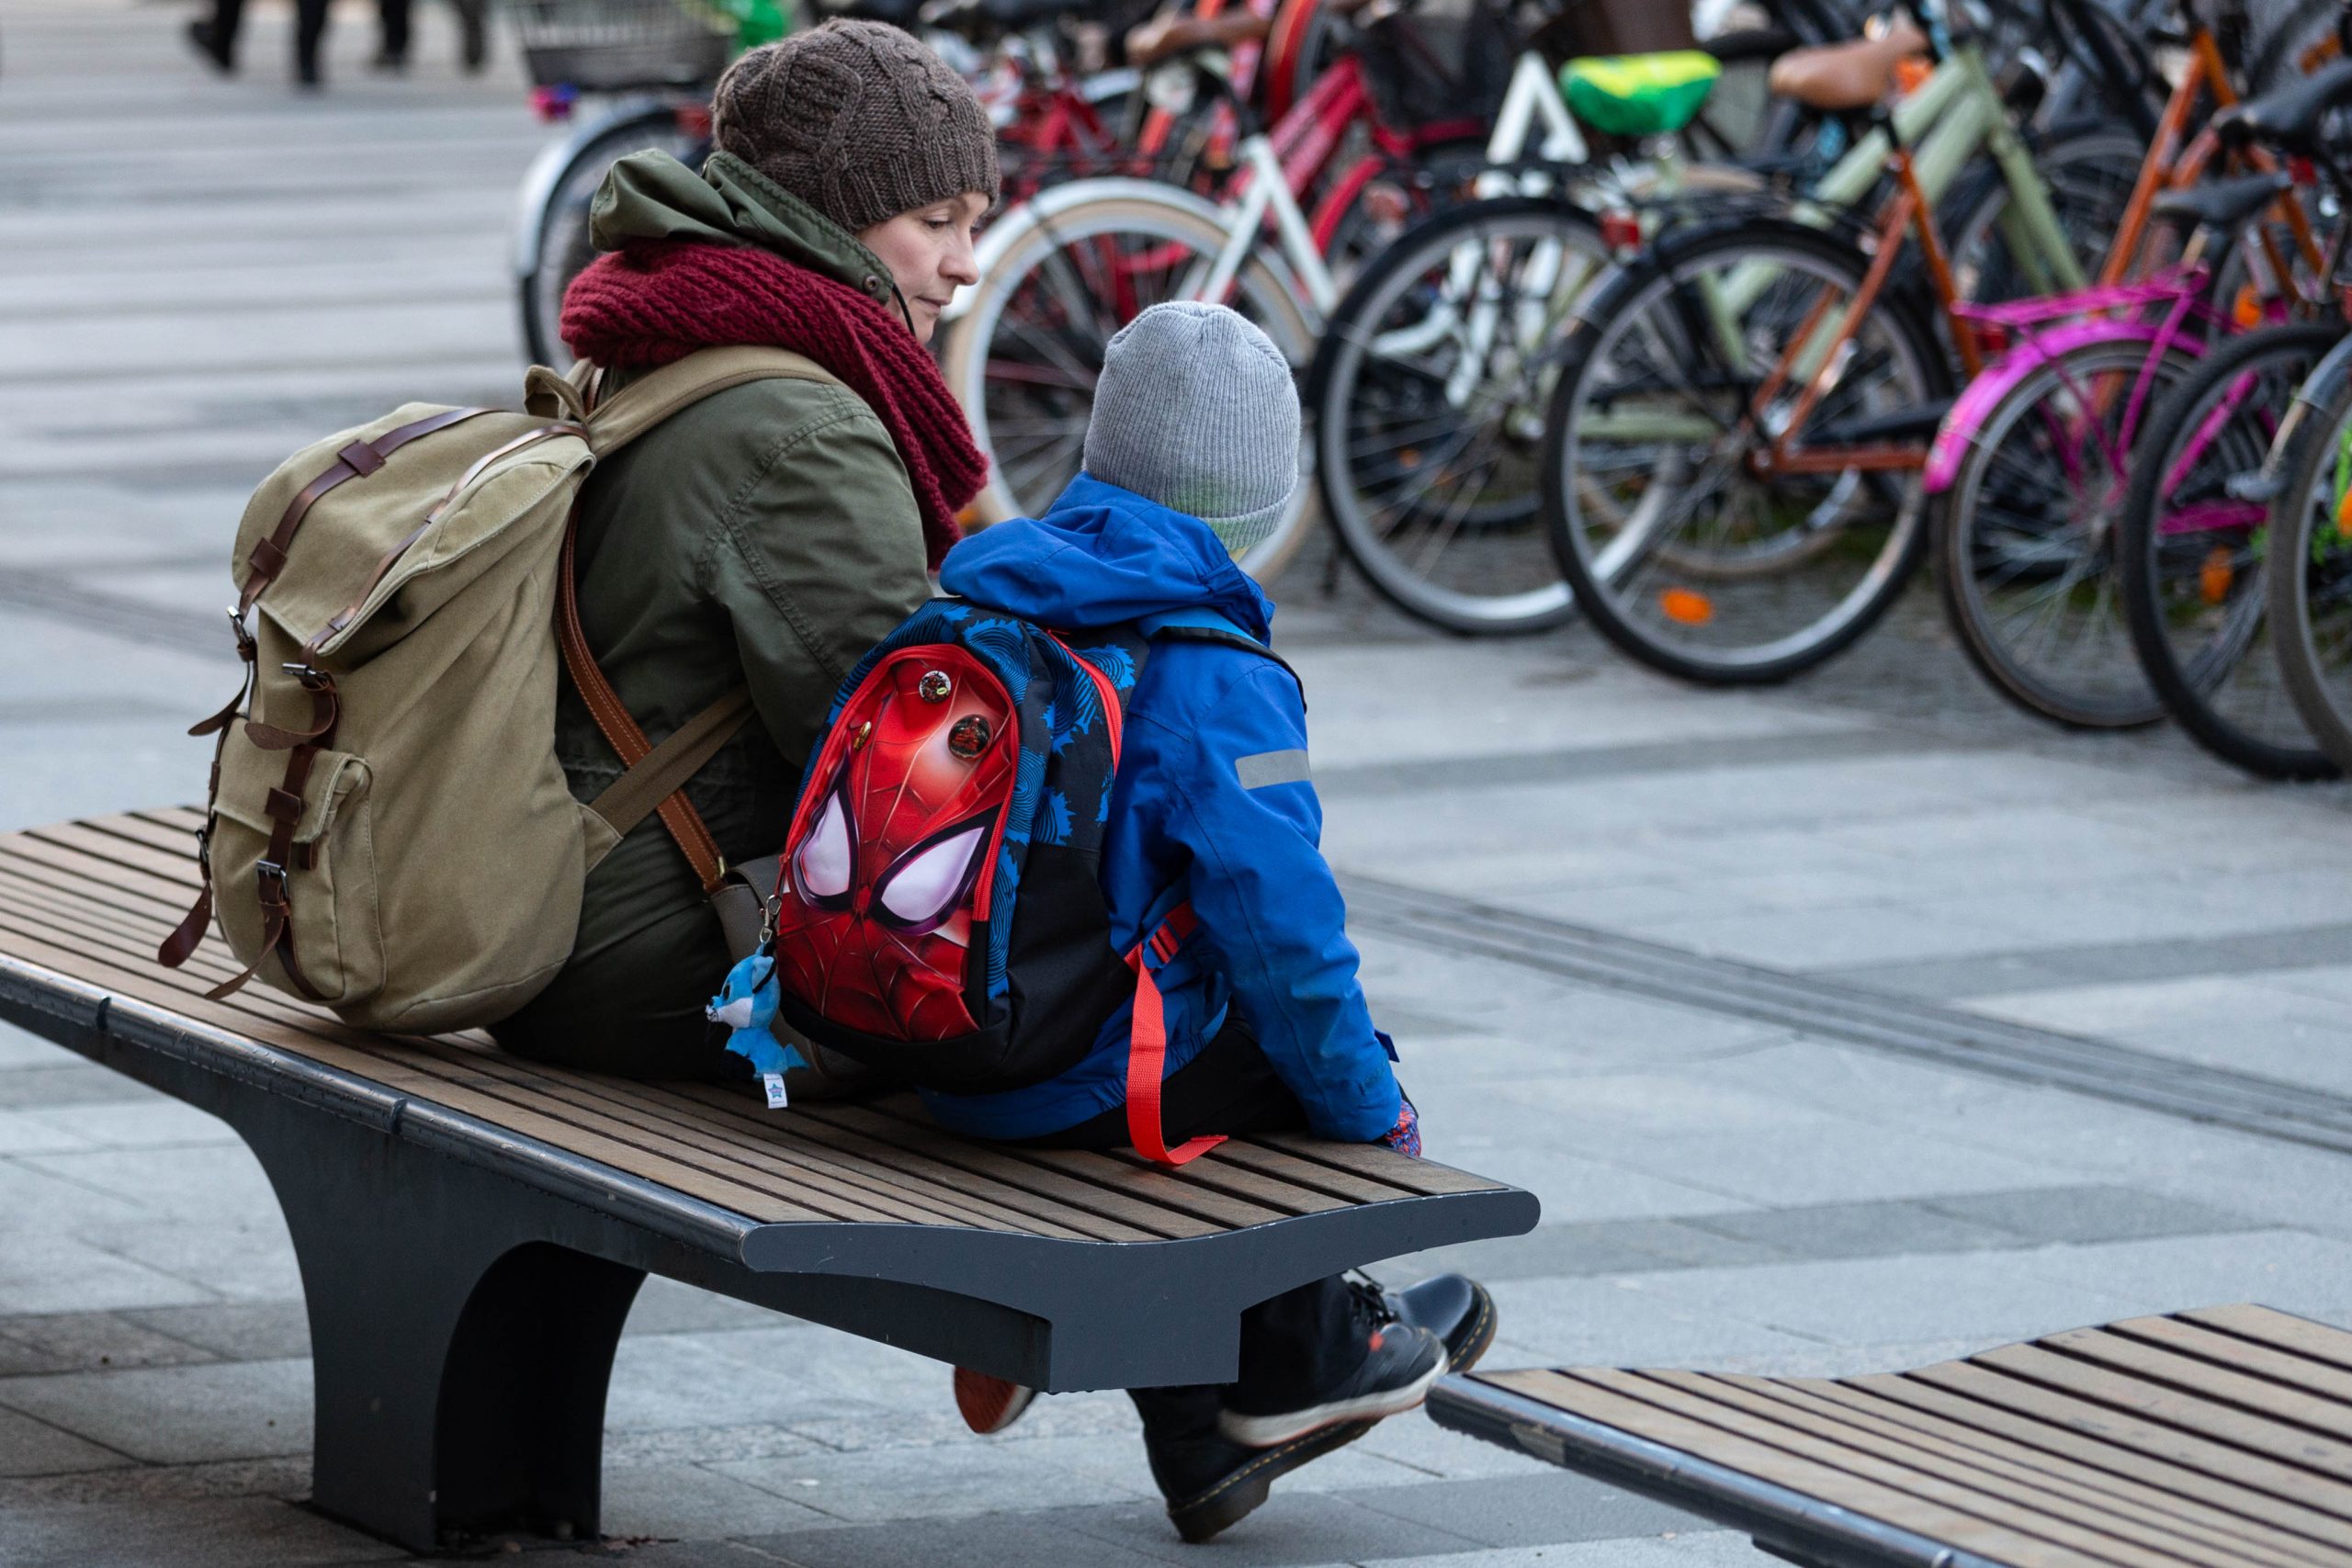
{"x": 467, "y": 1285}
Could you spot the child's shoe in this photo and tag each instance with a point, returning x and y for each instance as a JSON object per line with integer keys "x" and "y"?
{"x": 990, "y": 1403}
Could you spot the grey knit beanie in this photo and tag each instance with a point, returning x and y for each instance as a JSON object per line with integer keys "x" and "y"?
{"x": 1197, "y": 410}
{"x": 858, "y": 119}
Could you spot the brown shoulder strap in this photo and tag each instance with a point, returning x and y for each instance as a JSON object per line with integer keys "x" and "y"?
{"x": 621, "y": 731}
{"x": 657, "y": 775}
{"x": 638, "y": 793}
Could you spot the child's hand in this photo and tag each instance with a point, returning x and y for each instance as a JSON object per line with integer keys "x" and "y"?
{"x": 1405, "y": 1136}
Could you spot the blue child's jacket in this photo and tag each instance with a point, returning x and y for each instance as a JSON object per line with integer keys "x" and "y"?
{"x": 1212, "y": 804}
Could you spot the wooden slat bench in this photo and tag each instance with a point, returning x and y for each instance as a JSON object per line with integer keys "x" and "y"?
{"x": 471, "y": 1228}
{"x": 2220, "y": 1437}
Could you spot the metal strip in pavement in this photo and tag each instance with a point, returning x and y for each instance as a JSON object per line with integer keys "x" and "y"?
{"x": 2107, "y": 962}
{"x": 134, "y": 620}
{"x": 1880, "y": 1021}
{"x": 1576, "y": 765}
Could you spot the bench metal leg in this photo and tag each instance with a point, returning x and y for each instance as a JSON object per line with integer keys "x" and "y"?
{"x": 460, "y": 1367}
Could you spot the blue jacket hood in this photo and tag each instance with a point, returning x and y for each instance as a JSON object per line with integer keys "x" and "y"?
{"x": 1102, "y": 555}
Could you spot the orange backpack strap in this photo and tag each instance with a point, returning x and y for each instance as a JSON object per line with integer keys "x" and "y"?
{"x": 1147, "y": 1046}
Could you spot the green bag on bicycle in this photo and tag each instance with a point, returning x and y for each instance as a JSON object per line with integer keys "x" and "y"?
{"x": 1639, "y": 94}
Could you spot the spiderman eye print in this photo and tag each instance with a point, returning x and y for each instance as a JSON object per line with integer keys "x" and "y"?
{"x": 885, "y": 876}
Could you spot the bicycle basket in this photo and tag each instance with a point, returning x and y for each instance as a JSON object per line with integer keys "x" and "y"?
{"x": 614, "y": 45}
{"x": 1440, "y": 61}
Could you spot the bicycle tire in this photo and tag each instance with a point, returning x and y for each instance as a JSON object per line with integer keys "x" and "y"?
{"x": 563, "y": 245}
{"x": 2275, "y": 58}
{"x": 1601, "y": 582}
{"x": 2313, "y": 674}
{"x": 1988, "y": 543}
{"x": 2224, "y": 694}
{"x": 965, "y": 353}
{"x": 1353, "y": 390}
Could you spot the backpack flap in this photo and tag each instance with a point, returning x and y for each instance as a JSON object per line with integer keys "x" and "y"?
{"x": 436, "y": 533}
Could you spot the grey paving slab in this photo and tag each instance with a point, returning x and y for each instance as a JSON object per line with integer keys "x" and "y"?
{"x": 27, "y": 1133}
{"x": 983, "y": 1542}
{"x": 1294, "y": 1529}
{"x": 234, "y": 1331}
{"x": 1525, "y": 1511}
{"x": 244, "y": 1533}
{"x": 76, "y": 1342}
{"x": 2090, "y": 1214}
{"x": 212, "y": 1183}
{"x": 676, "y": 1446}
{"x": 696, "y": 1503}
{"x": 178, "y": 1414}
{"x": 44, "y": 1270}
{"x": 1620, "y": 1321}
{"x": 2288, "y": 1270}
{"x": 35, "y": 1086}
{"x": 975, "y": 1478}
{"x": 240, "y": 1257}
{"x": 1976, "y": 1295}
{"x": 665, "y": 1306}
{"x": 1709, "y": 1549}
{"x": 134, "y": 1486}
{"x": 20, "y": 1051}
{"x": 30, "y": 1447}
{"x": 134, "y": 1123}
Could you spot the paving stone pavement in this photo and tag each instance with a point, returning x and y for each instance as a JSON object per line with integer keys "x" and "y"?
{"x": 197, "y": 276}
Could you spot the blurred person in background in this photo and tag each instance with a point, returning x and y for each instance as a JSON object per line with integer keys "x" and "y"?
{"x": 215, "y": 36}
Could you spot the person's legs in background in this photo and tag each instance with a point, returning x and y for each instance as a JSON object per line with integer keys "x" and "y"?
{"x": 310, "y": 32}
{"x": 215, "y": 36}
{"x": 392, "y": 52}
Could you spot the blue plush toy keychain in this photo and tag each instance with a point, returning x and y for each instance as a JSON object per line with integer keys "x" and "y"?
{"x": 747, "y": 1004}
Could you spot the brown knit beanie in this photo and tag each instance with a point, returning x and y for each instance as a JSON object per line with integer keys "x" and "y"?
{"x": 858, "y": 119}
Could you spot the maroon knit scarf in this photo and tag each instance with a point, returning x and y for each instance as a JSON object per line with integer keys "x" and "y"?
{"x": 656, "y": 302}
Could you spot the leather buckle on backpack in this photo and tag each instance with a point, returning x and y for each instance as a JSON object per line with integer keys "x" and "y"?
{"x": 311, "y": 678}
{"x": 271, "y": 877}
{"x": 246, "y": 645}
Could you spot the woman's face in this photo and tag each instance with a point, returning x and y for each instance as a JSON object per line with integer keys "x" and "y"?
{"x": 928, "y": 252}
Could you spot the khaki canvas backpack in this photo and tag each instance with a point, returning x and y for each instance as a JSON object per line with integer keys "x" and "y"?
{"x": 388, "y": 831}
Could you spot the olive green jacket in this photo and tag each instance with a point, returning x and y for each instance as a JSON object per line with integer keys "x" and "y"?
{"x": 766, "y": 536}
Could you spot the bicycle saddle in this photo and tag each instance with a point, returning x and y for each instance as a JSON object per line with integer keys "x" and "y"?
{"x": 1165, "y": 37}
{"x": 1639, "y": 94}
{"x": 1852, "y": 75}
{"x": 2289, "y": 118}
{"x": 2222, "y": 204}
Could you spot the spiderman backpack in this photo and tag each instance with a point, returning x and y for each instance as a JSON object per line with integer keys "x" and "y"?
{"x": 937, "y": 911}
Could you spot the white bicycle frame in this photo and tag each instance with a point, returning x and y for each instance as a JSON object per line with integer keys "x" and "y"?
{"x": 1265, "y": 193}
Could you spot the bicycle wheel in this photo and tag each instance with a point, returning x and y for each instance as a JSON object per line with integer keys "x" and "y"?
{"x": 2310, "y": 580}
{"x": 562, "y": 221}
{"x": 1689, "y": 549}
{"x": 1024, "y": 357}
{"x": 2029, "y": 546}
{"x": 2192, "y": 553}
{"x": 1429, "y": 393}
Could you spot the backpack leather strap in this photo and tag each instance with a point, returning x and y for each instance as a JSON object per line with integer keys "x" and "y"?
{"x": 627, "y": 740}
{"x": 613, "y": 422}
{"x": 1147, "y": 1047}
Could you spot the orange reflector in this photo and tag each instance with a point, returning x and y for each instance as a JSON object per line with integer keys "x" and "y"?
{"x": 2343, "y": 515}
{"x": 1685, "y": 607}
{"x": 1911, "y": 73}
{"x": 2214, "y": 578}
{"x": 968, "y": 519}
{"x": 2247, "y": 311}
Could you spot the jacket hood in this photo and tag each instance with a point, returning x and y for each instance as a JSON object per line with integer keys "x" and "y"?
{"x": 651, "y": 196}
{"x": 1102, "y": 555}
